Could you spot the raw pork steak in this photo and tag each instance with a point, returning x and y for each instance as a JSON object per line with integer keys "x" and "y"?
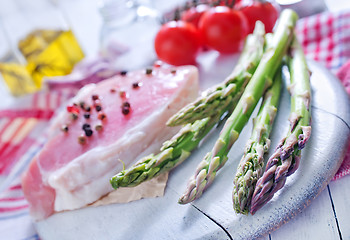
{"x": 122, "y": 118}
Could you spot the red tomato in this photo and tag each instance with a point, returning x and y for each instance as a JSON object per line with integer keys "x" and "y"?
{"x": 266, "y": 12}
{"x": 193, "y": 14}
{"x": 224, "y": 29}
{"x": 177, "y": 43}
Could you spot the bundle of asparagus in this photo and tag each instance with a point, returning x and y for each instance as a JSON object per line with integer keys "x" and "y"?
{"x": 257, "y": 73}
{"x": 261, "y": 80}
{"x": 200, "y": 121}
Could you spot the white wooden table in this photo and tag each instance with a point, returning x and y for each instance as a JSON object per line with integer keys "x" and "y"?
{"x": 328, "y": 216}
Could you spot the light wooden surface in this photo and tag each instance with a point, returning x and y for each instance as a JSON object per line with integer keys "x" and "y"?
{"x": 328, "y": 216}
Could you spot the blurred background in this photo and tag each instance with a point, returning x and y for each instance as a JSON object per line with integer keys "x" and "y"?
{"x": 47, "y": 38}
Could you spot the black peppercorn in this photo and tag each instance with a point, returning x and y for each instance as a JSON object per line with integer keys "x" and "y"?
{"x": 98, "y": 108}
{"x": 125, "y": 110}
{"x": 86, "y": 126}
{"x": 88, "y": 132}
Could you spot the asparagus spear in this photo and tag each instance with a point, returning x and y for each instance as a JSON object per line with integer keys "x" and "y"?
{"x": 250, "y": 167}
{"x": 285, "y": 160}
{"x": 179, "y": 147}
{"x": 261, "y": 80}
{"x": 216, "y": 99}
{"x": 172, "y": 153}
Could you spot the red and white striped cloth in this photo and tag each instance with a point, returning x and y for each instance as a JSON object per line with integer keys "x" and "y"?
{"x": 325, "y": 38}
{"x": 21, "y": 137}
{"x": 20, "y": 126}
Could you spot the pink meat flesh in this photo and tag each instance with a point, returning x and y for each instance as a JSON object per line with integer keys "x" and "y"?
{"x": 67, "y": 175}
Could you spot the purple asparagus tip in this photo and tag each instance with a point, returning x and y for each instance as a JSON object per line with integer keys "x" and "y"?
{"x": 304, "y": 137}
{"x": 294, "y": 166}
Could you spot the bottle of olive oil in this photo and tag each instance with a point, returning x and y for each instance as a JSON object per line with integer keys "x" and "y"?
{"x": 37, "y": 31}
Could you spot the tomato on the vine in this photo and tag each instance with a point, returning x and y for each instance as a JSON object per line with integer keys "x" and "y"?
{"x": 264, "y": 11}
{"x": 177, "y": 43}
{"x": 223, "y": 29}
{"x": 193, "y": 14}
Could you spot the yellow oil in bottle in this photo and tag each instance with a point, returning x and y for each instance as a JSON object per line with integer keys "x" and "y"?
{"x": 17, "y": 78}
{"x": 48, "y": 53}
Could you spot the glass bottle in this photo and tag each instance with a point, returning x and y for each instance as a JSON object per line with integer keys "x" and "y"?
{"x": 41, "y": 41}
{"x": 127, "y": 34}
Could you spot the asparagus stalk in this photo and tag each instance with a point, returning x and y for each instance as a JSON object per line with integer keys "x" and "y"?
{"x": 216, "y": 99}
{"x": 261, "y": 80}
{"x": 179, "y": 147}
{"x": 172, "y": 153}
{"x": 250, "y": 167}
{"x": 285, "y": 160}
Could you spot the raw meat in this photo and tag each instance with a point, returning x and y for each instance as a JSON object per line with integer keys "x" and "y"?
{"x": 126, "y": 121}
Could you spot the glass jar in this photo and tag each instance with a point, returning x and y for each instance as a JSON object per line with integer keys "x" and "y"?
{"x": 127, "y": 34}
